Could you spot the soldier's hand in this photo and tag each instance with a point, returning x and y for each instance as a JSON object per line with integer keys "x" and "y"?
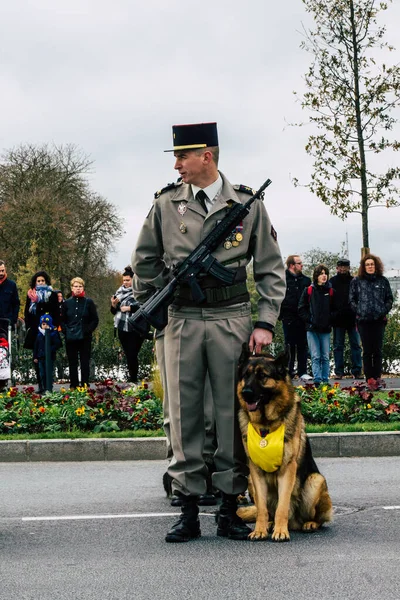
{"x": 259, "y": 338}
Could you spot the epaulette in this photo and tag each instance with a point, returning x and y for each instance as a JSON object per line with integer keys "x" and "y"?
{"x": 244, "y": 188}
{"x": 168, "y": 187}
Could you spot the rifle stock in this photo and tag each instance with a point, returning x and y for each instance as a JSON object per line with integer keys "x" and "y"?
{"x": 154, "y": 312}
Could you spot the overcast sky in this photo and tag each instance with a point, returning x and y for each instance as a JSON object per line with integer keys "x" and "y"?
{"x": 113, "y": 77}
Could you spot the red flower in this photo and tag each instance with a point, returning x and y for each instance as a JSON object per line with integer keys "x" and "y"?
{"x": 392, "y": 408}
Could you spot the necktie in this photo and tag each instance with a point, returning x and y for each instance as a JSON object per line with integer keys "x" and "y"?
{"x": 201, "y": 196}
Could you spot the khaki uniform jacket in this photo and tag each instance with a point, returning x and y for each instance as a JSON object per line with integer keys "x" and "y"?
{"x": 177, "y": 223}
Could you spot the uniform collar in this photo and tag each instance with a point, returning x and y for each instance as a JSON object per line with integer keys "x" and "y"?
{"x": 212, "y": 190}
{"x": 227, "y": 193}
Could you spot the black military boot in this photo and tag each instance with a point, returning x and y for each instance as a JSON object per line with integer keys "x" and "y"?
{"x": 229, "y": 524}
{"x": 188, "y": 525}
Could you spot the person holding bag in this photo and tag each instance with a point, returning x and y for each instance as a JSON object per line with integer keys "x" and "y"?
{"x": 79, "y": 320}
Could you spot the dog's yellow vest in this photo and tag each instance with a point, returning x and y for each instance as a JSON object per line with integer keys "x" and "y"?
{"x": 266, "y": 452}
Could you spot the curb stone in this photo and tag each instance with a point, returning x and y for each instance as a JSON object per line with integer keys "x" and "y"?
{"x": 329, "y": 445}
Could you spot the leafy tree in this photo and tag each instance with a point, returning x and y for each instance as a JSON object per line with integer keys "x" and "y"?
{"x": 316, "y": 256}
{"x": 49, "y": 215}
{"x": 352, "y": 98}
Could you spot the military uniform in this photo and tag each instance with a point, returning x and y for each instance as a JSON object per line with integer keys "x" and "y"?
{"x": 207, "y": 336}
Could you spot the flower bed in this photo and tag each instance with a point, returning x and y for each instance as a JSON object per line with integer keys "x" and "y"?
{"x": 106, "y": 407}
{"x": 110, "y": 407}
{"x": 359, "y": 403}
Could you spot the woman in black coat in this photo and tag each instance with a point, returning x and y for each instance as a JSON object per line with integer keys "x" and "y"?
{"x": 371, "y": 299}
{"x": 317, "y": 308}
{"x": 40, "y": 299}
{"x": 124, "y": 304}
{"x": 79, "y": 320}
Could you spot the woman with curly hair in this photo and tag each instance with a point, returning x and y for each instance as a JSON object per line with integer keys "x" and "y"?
{"x": 40, "y": 299}
{"x": 371, "y": 299}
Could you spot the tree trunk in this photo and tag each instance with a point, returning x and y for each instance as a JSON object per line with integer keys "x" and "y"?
{"x": 360, "y": 135}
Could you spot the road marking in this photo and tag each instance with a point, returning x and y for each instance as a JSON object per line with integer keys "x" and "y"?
{"x": 391, "y": 507}
{"x": 92, "y": 517}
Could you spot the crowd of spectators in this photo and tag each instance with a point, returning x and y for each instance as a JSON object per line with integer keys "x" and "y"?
{"x": 71, "y": 321}
{"x": 354, "y": 305}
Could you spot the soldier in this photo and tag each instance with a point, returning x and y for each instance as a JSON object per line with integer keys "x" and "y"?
{"x": 206, "y": 337}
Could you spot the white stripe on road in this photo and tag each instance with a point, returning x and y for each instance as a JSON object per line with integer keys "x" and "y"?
{"x": 130, "y": 516}
{"x": 91, "y": 517}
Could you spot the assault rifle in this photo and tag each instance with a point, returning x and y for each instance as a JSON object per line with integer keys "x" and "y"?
{"x": 154, "y": 312}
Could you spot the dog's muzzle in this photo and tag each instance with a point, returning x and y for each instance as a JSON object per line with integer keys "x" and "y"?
{"x": 248, "y": 397}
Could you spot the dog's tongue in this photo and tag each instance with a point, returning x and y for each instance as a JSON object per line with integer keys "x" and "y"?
{"x": 252, "y": 407}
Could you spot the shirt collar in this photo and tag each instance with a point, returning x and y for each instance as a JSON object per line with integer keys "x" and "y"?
{"x": 212, "y": 190}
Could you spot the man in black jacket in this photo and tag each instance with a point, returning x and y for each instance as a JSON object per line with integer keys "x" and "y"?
{"x": 9, "y": 299}
{"x": 345, "y": 322}
{"x": 293, "y": 327}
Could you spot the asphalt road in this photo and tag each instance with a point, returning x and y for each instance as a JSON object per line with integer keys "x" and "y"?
{"x": 83, "y": 531}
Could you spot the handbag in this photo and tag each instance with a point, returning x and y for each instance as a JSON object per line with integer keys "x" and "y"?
{"x": 74, "y": 331}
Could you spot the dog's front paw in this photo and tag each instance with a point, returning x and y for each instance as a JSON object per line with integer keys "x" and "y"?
{"x": 258, "y": 534}
{"x": 281, "y": 534}
{"x": 310, "y": 526}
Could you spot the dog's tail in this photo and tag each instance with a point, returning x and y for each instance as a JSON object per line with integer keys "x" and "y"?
{"x": 247, "y": 513}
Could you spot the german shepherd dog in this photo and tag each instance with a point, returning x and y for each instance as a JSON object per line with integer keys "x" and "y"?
{"x": 288, "y": 490}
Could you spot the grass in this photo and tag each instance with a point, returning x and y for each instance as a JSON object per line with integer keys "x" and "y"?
{"x": 353, "y": 427}
{"x": 73, "y": 435}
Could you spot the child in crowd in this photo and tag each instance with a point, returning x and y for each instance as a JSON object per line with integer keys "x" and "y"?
{"x": 39, "y": 349}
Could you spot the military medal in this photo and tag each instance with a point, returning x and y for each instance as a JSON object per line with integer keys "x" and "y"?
{"x": 234, "y": 239}
{"x": 182, "y": 227}
{"x": 182, "y": 208}
{"x": 263, "y": 443}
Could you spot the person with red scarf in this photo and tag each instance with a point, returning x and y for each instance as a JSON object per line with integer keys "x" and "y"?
{"x": 79, "y": 312}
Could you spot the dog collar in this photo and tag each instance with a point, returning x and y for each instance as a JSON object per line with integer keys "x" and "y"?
{"x": 266, "y": 452}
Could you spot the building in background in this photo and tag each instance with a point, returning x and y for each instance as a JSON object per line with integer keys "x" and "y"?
{"x": 393, "y": 275}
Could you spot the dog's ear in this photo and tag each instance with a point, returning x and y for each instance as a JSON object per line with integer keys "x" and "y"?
{"x": 282, "y": 361}
{"x": 243, "y": 358}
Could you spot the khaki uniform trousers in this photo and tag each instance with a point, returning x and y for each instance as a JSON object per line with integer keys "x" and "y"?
{"x": 209, "y": 423}
{"x": 197, "y": 341}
